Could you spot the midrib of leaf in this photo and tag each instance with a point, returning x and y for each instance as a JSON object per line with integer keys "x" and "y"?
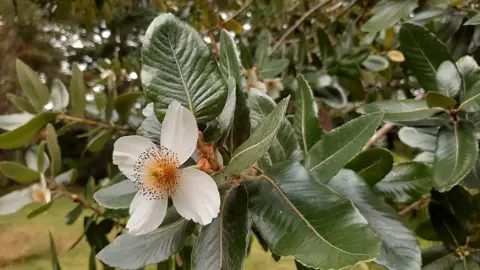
{"x": 369, "y": 166}
{"x": 290, "y": 204}
{"x": 421, "y": 51}
{"x": 304, "y": 139}
{"x": 467, "y": 101}
{"x": 222, "y": 211}
{"x": 190, "y": 105}
{"x": 457, "y": 149}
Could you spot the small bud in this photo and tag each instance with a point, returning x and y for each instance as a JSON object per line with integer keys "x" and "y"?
{"x": 204, "y": 164}
{"x": 200, "y": 135}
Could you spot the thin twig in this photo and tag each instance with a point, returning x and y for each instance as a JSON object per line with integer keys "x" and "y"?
{"x": 90, "y": 122}
{"x": 297, "y": 24}
{"x": 343, "y": 12}
{"x": 242, "y": 9}
{"x": 414, "y": 205}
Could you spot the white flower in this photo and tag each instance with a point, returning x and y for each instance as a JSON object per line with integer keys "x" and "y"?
{"x": 156, "y": 172}
{"x": 14, "y": 201}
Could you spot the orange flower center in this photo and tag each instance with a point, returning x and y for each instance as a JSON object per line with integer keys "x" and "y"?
{"x": 162, "y": 176}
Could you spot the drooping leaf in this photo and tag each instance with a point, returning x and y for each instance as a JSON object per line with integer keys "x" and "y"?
{"x": 455, "y": 154}
{"x": 73, "y": 215}
{"x": 60, "y": 96}
{"x": 306, "y": 123}
{"x": 421, "y": 138}
{"x": 388, "y": 13}
{"x": 24, "y": 133}
{"x": 36, "y": 92}
{"x": 116, "y": 196}
{"x": 372, "y": 164}
{"x": 448, "y": 79}
{"x": 316, "y": 226}
{"x": 178, "y": 65}
{"x": 53, "y": 150}
{"x": 401, "y": 110}
{"x": 272, "y": 68}
{"x": 475, "y": 20}
{"x": 447, "y": 226}
{"x": 39, "y": 210}
{"x": 376, "y": 63}
{"x": 77, "y": 92}
{"x": 399, "y": 248}
{"x": 124, "y": 103}
{"x": 260, "y": 140}
{"x": 223, "y": 243}
{"x": 435, "y": 100}
{"x": 302, "y": 50}
{"x": 339, "y": 146}
{"x": 53, "y": 251}
{"x": 245, "y": 55}
{"x": 327, "y": 89}
{"x": 406, "y": 182}
{"x": 97, "y": 143}
{"x": 424, "y": 53}
{"x": 19, "y": 172}
{"x": 458, "y": 202}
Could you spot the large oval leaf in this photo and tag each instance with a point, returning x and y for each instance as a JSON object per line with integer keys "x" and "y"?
{"x": 116, "y": 196}
{"x": 178, "y": 65}
{"x": 448, "y": 79}
{"x": 18, "y": 172}
{"x": 401, "y": 110}
{"x": 455, "y": 154}
{"x": 388, "y": 13}
{"x": 36, "y": 92}
{"x": 372, "y": 164}
{"x": 424, "y": 139}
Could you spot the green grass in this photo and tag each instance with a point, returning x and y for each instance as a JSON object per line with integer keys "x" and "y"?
{"x": 25, "y": 244}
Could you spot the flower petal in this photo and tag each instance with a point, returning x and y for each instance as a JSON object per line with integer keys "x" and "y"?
{"x": 197, "y": 196}
{"x": 179, "y": 131}
{"x": 14, "y": 201}
{"x": 148, "y": 110}
{"x": 127, "y": 150}
{"x": 151, "y": 129}
{"x": 146, "y": 215}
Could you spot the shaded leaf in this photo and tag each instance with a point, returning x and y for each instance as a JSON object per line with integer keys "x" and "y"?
{"x": 97, "y": 143}
{"x": 73, "y": 215}
{"x": 21, "y": 103}
{"x": 401, "y": 110}
{"x": 448, "y": 79}
{"x": 77, "y": 92}
{"x": 372, "y": 164}
{"x": 124, "y": 103}
{"x": 273, "y": 68}
{"x": 54, "y": 150}
{"x": 55, "y": 262}
{"x": 472, "y": 180}
{"x": 39, "y": 210}
{"x": 262, "y": 49}
{"x": 219, "y": 127}
{"x": 438, "y": 258}
{"x": 435, "y": 99}
{"x": 60, "y": 95}
{"x": 36, "y": 92}
{"x": 474, "y": 20}
{"x": 418, "y": 138}
{"x": 116, "y": 196}
{"x": 388, "y": 13}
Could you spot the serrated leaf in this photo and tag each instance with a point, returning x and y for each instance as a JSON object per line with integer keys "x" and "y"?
{"x": 24, "y": 133}
{"x": 399, "y": 248}
{"x": 223, "y": 243}
{"x": 19, "y": 172}
{"x": 424, "y": 53}
{"x": 54, "y": 150}
{"x": 124, "y": 103}
{"x": 474, "y": 20}
{"x": 53, "y": 251}
{"x": 306, "y": 123}
{"x": 36, "y": 92}
{"x": 260, "y": 140}
{"x": 116, "y": 196}
{"x": 21, "y": 103}
{"x": 421, "y": 138}
{"x": 60, "y": 96}
{"x": 372, "y": 164}
{"x": 77, "y": 92}
{"x": 388, "y": 13}
{"x": 178, "y": 65}
{"x": 316, "y": 226}
{"x": 448, "y": 79}
{"x": 272, "y": 68}
{"x": 339, "y": 146}
{"x": 97, "y": 143}
{"x": 435, "y": 100}
{"x": 376, "y": 63}
{"x": 73, "y": 215}
{"x": 401, "y": 110}
{"x": 406, "y": 182}
{"x": 455, "y": 154}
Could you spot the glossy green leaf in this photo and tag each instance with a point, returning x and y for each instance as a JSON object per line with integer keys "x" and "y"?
{"x": 438, "y": 258}
{"x": 178, "y": 65}
{"x": 436, "y": 100}
{"x": 447, "y": 226}
{"x": 60, "y": 96}
{"x": 399, "y": 248}
{"x": 376, "y": 63}
{"x": 132, "y": 252}
{"x": 36, "y": 92}
{"x": 401, "y": 110}
{"x": 474, "y": 20}
{"x": 316, "y": 226}
{"x": 39, "y": 210}
{"x": 424, "y": 53}
{"x": 455, "y": 154}
{"x": 273, "y": 68}
{"x": 73, "y": 215}
{"x": 97, "y": 143}
{"x": 340, "y": 145}
{"x": 260, "y": 140}
{"x": 223, "y": 243}
{"x": 306, "y": 123}
{"x": 77, "y": 92}
{"x": 18, "y": 172}
{"x": 54, "y": 150}
{"x": 21, "y": 103}
{"x": 424, "y": 139}
{"x": 406, "y": 182}
{"x": 388, "y": 13}
{"x": 448, "y": 79}
{"x": 53, "y": 251}
{"x": 124, "y": 103}
{"x": 262, "y": 49}
{"x": 372, "y": 164}
{"x": 116, "y": 196}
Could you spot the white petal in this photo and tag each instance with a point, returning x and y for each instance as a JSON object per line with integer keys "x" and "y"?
{"x": 43, "y": 181}
{"x": 148, "y": 110}
{"x": 179, "y": 131}
{"x": 14, "y": 201}
{"x": 12, "y": 121}
{"x": 151, "y": 128}
{"x": 146, "y": 215}
{"x": 31, "y": 159}
{"x": 197, "y": 196}
{"x": 66, "y": 177}
{"x": 219, "y": 157}
{"x": 126, "y": 152}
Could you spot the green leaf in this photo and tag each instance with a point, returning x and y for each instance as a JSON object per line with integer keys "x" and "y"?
{"x": 372, "y": 164}
{"x": 223, "y": 243}
{"x": 60, "y": 96}
{"x": 54, "y": 150}
{"x": 92, "y": 263}
{"x": 399, "y": 248}
{"x": 245, "y": 55}
{"x": 124, "y": 103}
{"x": 325, "y": 46}
{"x": 436, "y": 100}
{"x": 448, "y": 79}
{"x": 260, "y": 140}
{"x": 55, "y": 262}
{"x": 439, "y": 258}
{"x": 376, "y": 63}
{"x": 42, "y": 161}
{"x": 116, "y": 196}
{"x": 89, "y": 189}
{"x": 306, "y": 123}
{"x": 12, "y": 121}
{"x": 424, "y": 139}
{"x": 73, "y": 215}
{"x": 401, "y": 110}
{"x": 40, "y": 210}
{"x": 272, "y": 68}
{"x": 315, "y": 225}
{"x": 458, "y": 202}
{"x": 178, "y": 65}
{"x": 132, "y": 252}
{"x": 77, "y": 92}
{"x": 36, "y": 92}
{"x": 21, "y": 103}
{"x": 23, "y": 134}
{"x": 67, "y": 178}
{"x": 263, "y": 44}
{"x": 426, "y": 231}
{"x": 406, "y": 182}
{"x": 19, "y": 172}
{"x": 339, "y": 146}
{"x": 455, "y": 154}
{"x": 447, "y": 226}
{"x": 472, "y": 180}
{"x": 327, "y": 89}
{"x": 423, "y": 54}
{"x": 474, "y": 20}
{"x": 388, "y": 13}
{"x": 97, "y": 143}
{"x": 96, "y": 235}
{"x": 466, "y": 264}
{"x": 302, "y": 50}
{"x": 471, "y": 104}
{"x": 468, "y": 68}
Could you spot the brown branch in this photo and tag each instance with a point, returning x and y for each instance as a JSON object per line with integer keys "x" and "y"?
{"x": 417, "y": 203}
{"x": 297, "y": 24}
{"x": 240, "y": 11}
{"x": 90, "y": 122}
{"x": 343, "y": 12}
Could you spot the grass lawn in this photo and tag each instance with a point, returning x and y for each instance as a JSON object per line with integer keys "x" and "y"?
{"x": 25, "y": 244}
